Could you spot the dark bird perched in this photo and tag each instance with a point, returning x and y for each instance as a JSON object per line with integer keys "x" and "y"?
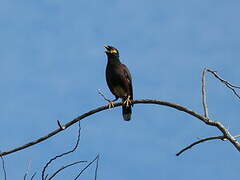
{"x": 119, "y": 81}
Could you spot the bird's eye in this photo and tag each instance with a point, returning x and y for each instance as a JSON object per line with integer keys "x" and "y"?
{"x": 113, "y": 51}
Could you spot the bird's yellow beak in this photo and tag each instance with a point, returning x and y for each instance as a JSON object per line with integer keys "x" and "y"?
{"x": 107, "y": 49}
{"x": 110, "y": 50}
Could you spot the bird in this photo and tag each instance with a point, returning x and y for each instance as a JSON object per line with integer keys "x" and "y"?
{"x": 119, "y": 81}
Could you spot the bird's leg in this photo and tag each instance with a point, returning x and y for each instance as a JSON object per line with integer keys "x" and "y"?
{"x": 127, "y": 102}
{"x": 111, "y": 105}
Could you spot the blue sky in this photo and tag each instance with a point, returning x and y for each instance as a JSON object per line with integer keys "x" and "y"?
{"x": 52, "y": 62}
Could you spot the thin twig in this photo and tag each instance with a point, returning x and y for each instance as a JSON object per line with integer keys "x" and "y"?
{"x": 63, "y": 154}
{"x": 229, "y": 85}
{"x": 96, "y": 169}
{"x": 221, "y": 79}
{"x": 33, "y": 175}
{"x": 204, "y": 96}
{"x": 3, "y": 167}
{"x": 46, "y": 176}
{"x": 104, "y": 97}
{"x": 204, "y": 140}
{"x": 64, "y": 167}
{"x": 86, "y": 167}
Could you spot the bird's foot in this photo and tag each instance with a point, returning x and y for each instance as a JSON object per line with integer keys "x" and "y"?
{"x": 127, "y": 102}
{"x": 110, "y": 105}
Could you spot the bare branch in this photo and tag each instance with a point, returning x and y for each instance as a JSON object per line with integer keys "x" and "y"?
{"x": 229, "y": 85}
{"x": 33, "y": 175}
{"x": 96, "y": 169}
{"x": 200, "y": 141}
{"x": 25, "y": 176}
{"x": 204, "y": 96}
{"x": 97, "y": 157}
{"x": 3, "y": 167}
{"x": 209, "y": 122}
{"x": 104, "y": 97}
{"x": 63, "y": 154}
{"x": 203, "y": 140}
{"x": 99, "y": 109}
{"x": 64, "y": 167}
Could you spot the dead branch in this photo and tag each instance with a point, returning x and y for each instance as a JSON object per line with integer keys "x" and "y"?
{"x": 63, "y": 154}
{"x": 200, "y": 141}
{"x": 99, "y": 109}
{"x": 64, "y": 167}
{"x": 96, "y": 158}
{"x": 34, "y": 174}
{"x": 3, "y": 167}
{"x": 204, "y": 140}
{"x": 205, "y": 107}
{"x": 104, "y": 97}
{"x": 207, "y": 121}
{"x": 227, "y": 84}
{"x": 96, "y": 169}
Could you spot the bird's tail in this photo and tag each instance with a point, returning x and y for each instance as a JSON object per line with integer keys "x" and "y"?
{"x": 126, "y": 112}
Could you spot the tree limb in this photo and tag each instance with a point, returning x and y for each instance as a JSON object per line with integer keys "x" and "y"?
{"x": 200, "y": 141}
{"x": 223, "y": 138}
{"x": 209, "y": 122}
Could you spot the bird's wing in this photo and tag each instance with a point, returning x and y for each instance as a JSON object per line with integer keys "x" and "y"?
{"x": 128, "y": 77}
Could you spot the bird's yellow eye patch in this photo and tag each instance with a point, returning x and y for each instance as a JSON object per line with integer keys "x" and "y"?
{"x": 113, "y": 51}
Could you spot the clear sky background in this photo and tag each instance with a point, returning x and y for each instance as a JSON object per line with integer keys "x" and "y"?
{"x": 52, "y": 62}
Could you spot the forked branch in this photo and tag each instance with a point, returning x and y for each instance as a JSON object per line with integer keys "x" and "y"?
{"x": 227, "y": 84}
{"x": 205, "y": 106}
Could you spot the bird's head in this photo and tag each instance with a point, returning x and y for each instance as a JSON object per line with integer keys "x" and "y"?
{"x": 111, "y": 51}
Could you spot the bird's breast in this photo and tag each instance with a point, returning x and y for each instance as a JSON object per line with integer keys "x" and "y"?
{"x": 119, "y": 91}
